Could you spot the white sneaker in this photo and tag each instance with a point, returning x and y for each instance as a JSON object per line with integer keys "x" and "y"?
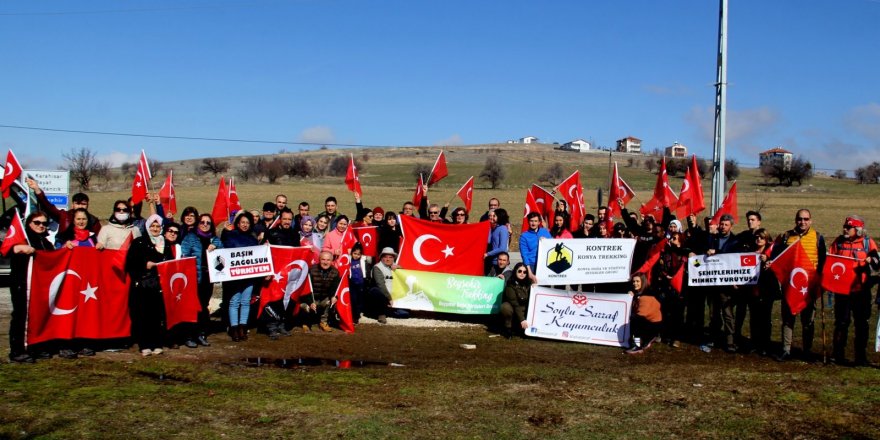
{"x": 157, "y": 351}
{"x": 146, "y": 352}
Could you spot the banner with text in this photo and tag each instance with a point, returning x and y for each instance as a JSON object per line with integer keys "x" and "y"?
{"x": 584, "y": 260}
{"x": 447, "y": 293}
{"x": 239, "y": 263}
{"x": 593, "y": 318}
{"x": 724, "y": 269}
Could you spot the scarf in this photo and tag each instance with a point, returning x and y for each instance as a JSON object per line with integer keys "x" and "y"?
{"x": 81, "y": 235}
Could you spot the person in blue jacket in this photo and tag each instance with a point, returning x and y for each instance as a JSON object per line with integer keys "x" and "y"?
{"x": 528, "y": 243}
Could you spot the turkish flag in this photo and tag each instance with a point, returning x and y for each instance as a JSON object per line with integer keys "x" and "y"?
{"x": 14, "y": 235}
{"x": 626, "y": 193}
{"x": 77, "y": 293}
{"x": 839, "y": 274}
{"x": 167, "y": 195}
{"x": 663, "y": 195}
{"x": 141, "y": 180}
{"x": 180, "y": 292}
{"x": 10, "y": 174}
{"x": 749, "y": 260}
{"x": 368, "y": 236}
{"x": 343, "y": 302}
{"x": 351, "y": 178}
{"x": 291, "y": 279}
{"x": 420, "y": 192}
{"x": 544, "y": 200}
{"x": 677, "y": 281}
{"x": 439, "y": 171}
{"x": 444, "y": 248}
{"x": 613, "y": 213}
{"x": 573, "y": 193}
{"x": 232, "y": 200}
{"x": 531, "y": 206}
{"x": 652, "y": 258}
{"x": 728, "y": 206}
{"x": 220, "y": 213}
{"x": 343, "y": 261}
{"x": 466, "y": 194}
{"x": 690, "y": 199}
{"x": 796, "y": 274}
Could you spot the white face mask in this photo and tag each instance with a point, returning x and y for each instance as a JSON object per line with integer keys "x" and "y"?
{"x": 121, "y": 216}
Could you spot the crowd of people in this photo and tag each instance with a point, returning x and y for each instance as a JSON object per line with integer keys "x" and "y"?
{"x": 660, "y": 311}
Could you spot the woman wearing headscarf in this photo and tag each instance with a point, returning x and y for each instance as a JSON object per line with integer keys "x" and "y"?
{"x": 145, "y": 297}
{"x": 307, "y": 237}
{"x": 197, "y": 244}
{"x": 35, "y": 228}
{"x": 121, "y": 226}
{"x": 239, "y": 292}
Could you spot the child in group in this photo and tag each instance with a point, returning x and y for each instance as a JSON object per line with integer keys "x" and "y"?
{"x": 358, "y": 280}
{"x": 646, "y": 320}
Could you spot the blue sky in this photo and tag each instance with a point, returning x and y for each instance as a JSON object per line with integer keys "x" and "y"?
{"x": 803, "y": 75}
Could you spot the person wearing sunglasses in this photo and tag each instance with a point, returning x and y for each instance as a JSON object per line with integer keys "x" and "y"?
{"x": 65, "y": 218}
{"x": 854, "y": 305}
{"x": 814, "y": 246}
{"x": 21, "y": 254}
{"x": 197, "y": 244}
{"x": 120, "y": 227}
{"x": 516, "y": 301}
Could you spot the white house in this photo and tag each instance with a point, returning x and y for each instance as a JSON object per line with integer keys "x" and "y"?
{"x": 775, "y": 154}
{"x": 528, "y": 140}
{"x": 576, "y": 145}
{"x": 676, "y": 150}
{"x": 629, "y": 144}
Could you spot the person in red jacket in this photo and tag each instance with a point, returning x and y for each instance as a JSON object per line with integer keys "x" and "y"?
{"x": 63, "y": 217}
{"x": 856, "y": 304}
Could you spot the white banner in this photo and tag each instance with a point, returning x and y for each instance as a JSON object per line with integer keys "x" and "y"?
{"x": 584, "y": 260}
{"x": 594, "y": 318}
{"x": 724, "y": 269}
{"x": 239, "y": 263}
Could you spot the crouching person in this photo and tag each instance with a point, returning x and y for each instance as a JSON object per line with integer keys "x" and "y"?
{"x": 316, "y": 307}
{"x": 379, "y": 296}
{"x": 516, "y": 300}
{"x": 646, "y": 320}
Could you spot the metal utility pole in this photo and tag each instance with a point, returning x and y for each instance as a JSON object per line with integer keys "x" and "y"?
{"x": 719, "y": 183}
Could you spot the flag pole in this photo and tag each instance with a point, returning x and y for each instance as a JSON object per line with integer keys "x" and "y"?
{"x": 459, "y": 190}
{"x": 824, "y": 339}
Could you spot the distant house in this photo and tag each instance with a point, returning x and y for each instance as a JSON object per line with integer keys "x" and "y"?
{"x": 776, "y": 154}
{"x": 528, "y": 140}
{"x": 629, "y": 145}
{"x": 576, "y": 145}
{"x": 676, "y": 150}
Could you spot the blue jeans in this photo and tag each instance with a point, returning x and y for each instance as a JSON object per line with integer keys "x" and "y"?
{"x": 240, "y": 305}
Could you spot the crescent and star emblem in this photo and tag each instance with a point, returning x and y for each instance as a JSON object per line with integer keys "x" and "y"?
{"x": 687, "y": 186}
{"x": 55, "y": 285}
{"x": 367, "y": 238}
{"x": 842, "y": 266}
{"x": 175, "y": 277}
{"x": 794, "y": 273}
{"x": 570, "y": 189}
{"x": 11, "y": 233}
{"x": 9, "y": 169}
{"x": 342, "y": 296}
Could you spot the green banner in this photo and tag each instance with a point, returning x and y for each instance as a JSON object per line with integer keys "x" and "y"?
{"x": 447, "y": 293}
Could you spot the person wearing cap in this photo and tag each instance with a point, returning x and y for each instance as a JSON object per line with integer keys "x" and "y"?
{"x": 813, "y": 244}
{"x": 856, "y": 304}
{"x": 379, "y": 296}
{"x": 378, "y": 215}
{"x": 267, "y": 221}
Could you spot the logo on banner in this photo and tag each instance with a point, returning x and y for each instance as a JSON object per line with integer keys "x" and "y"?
{"x": 697, "y": 263}
{"x": 579, "y": 300}
{"x": 748, "y": 260}
{"x": 415, "y": 297}
{"x": 559, "y": 258}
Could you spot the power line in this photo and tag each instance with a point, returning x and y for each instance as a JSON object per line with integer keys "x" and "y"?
{"x": 188, "y": 138}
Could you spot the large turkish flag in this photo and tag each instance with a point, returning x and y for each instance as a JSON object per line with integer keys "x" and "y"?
{"x": 444, "y": 248}
{"x": 369, "y": 239}
{"x": 839, "y": 274}
{"x": 291, "y": 279}
{"x": 180, "y": 292}
{"x": 77, "y": 293}
{"x": 796, "y": 274}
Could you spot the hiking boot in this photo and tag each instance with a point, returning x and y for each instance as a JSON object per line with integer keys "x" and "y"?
{"x": 190, "y": 343}
{"x": 242, "y": 332}
{"x": 381, "y": 319}
{"x": 23, "y": 358}
{"x": 146, "y": 352}
{"x": 233, "y": 333}
{"x": 67, "y": 354}
{"x": 784, "y": 356}
{"x": 325, "y": 327}
{"x": 274, "y": 335}
{"x": 306, "y": 329}
{"x": 87, "y": 352}
{"x": 203, "y": 341}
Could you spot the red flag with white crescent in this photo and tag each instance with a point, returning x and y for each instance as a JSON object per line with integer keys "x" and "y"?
{"x": 16, "y": 234}
{"x": 613, "y": 213}
{"x": 626, "y": 192}
{"x": 11, "y": 173}
{"x": 77, "y": 293}
{"x": 352, "y": 180}
{"x": 544, "y": 201}
{"x": 167, "y": 195}
{"x": 369, "y": 240}
{"x": 343, "y": 302}
{"x": 690, "y": 199}
{"x": 573, "y": 193}
{"x": 291, "y": 278}
{"x": 797, "y": 275}
{"x": 728, "y": 206}
{"x": 179, "y": 281}
{"x": 663, "y": 197}
{"x": 530, "y": 207}
{"x": 234, "y": 203}
{"x": 220, "y": 212}
{"x": 420, "y": 192}
{"x": 141, "y": 180}
{"x": 839, "y": 274}
{"x": 466, "y": 194}
{"x": 445, "y": 248}
{"x": 439, "y": 171}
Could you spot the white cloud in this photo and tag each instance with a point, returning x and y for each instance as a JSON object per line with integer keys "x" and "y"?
{"x": 743, "y": 126}
{"x": 865, "y": 120}
{"x": 319, "y": 134}
{"x": 455, "y": 139}
{"x": 664, "y": 90}
{"x": 117, "y": 158}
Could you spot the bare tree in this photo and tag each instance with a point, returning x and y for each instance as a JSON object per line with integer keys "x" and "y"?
{"x": 214, "y": 166}
{"x": 650, "y": 165}
{"x": 493, "y": 171}
{"x": 798, "y": 170}
{"x": 552, "y": 175}
{"x": 274, "y": 169}
{"x": 731, "y": 169}
{"x": 254, "y": 168}
{"x": 869, "y": 173}
{"x": 83, "y": 165}
{"x": 339, "y": 165}
{"x": 839, "y": 174}
{"x": 126, "y": 167}
{"x": 421, "y": 169}
{"x": 155, "y": 166}
{"x": 299, "y": 167}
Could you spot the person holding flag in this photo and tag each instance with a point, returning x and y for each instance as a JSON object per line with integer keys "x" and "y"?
{"x": 197, "y": 244}
{"x": 237, "y": 293}
{"x": 763, "y": 294}
{"x": 121, "y": 226}
{"x": 851, "y": 302}
{"x": 147, "y": 306}
{"x": 316, "y": 307}
{"x": 340, "y": 240}
{"x": 813, "y": 244}
{"x": 64, "y": 218}
{"x": 33, "y": 238}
